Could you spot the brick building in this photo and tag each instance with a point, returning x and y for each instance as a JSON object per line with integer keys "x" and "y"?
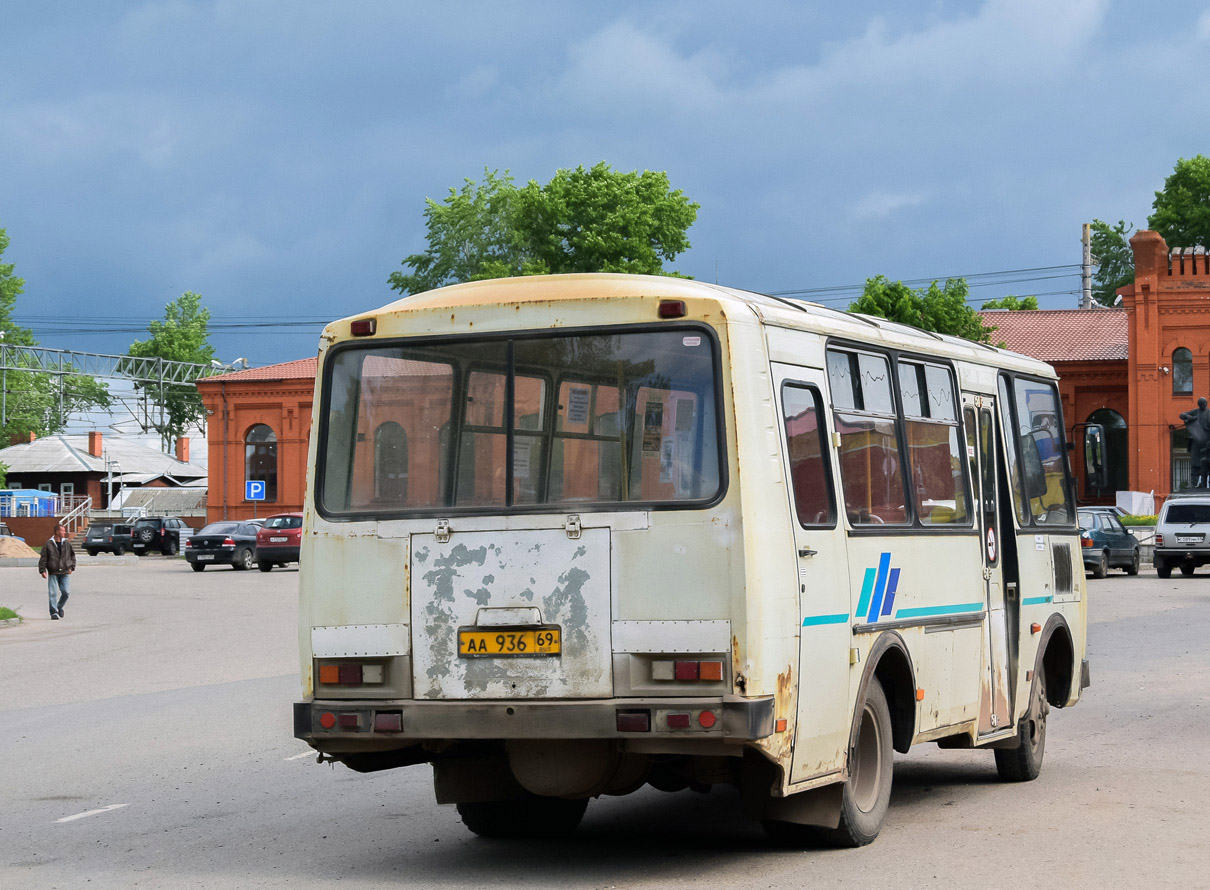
{"x": 259, "y": 426}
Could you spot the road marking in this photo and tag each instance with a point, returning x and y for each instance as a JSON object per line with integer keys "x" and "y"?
{"x": 112, "y": 806}
{"x": 302, "y": 755}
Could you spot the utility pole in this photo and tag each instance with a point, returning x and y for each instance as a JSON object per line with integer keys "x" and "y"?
{"x": 1086, "y": 269}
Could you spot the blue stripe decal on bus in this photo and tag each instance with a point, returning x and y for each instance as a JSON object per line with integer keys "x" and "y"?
{"x": 1036, "y": 600}
{"x": 814, "y": 620}
{"x": 866, "y": 587}
{"x": 884, "y": 564}
{"x": 892, "y": 586}
{"x": 938, "y": 610}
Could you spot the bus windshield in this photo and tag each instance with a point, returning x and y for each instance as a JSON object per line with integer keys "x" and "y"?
{"x": 611, "y": 418}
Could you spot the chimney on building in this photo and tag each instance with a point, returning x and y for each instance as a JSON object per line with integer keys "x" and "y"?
{"x": 94, "y": 443}
{"x": 182, "y": 449}
{"x": 19, "y": 439}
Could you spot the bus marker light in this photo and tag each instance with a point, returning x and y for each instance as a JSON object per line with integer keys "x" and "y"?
{"x": 350, "y": 674}
{"x": 1035, "y": 628}
{"x": 678, "y": 721}
{"x": 919, "y": 695}
{"x": 371, "y": 673}
{"x": 349, "y": 721}
{"x": 781, "y": 725}
{"x": 686, "y": 670}
{"x": 388, "y": 721}
{"x": 710, "y": 670}
{"x": 329, "y": 674}
{"x": 707, "y": 719}
{"x": 672, "y": 309}
{"x": 363, "y": 327}
{"x": 327, "y": 719}
{"x": 634, "y": 721}
{"x": 662, "y": 670}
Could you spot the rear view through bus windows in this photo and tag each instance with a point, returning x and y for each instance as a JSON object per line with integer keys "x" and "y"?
{"x": 613, "y": 418}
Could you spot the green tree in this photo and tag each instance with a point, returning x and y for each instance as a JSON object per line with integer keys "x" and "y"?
{"x": 583, "y": 220}
{"x": 1113, "y": 258}
{"x": 1182, "y": 208}
{"x": 183, "y": 336}
{"x": 940, "y": 308}
{"x": 36, "y": 402}
{"x": 1011, "y": 302}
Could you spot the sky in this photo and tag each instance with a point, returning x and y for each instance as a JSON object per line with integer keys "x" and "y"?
{"x": 275, "y": 157}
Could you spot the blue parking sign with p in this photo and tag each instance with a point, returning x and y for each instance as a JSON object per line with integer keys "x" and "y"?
{"x": 254, "y": 490}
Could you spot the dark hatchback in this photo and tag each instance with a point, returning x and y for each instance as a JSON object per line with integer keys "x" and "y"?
{"x": 105, "y": 538}
{"x": 1106, "y": 544}
{"x": 222, "y": 543}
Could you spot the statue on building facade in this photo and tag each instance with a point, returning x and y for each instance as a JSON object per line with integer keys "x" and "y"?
{"x": 1198, "y": 424}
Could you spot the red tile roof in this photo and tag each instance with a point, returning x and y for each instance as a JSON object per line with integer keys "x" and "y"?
{"x": 299, "y": 369}
{"x": 1062, "y": 335}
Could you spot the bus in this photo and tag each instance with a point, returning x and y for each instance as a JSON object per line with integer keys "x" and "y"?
{"x": 570, "y": 536}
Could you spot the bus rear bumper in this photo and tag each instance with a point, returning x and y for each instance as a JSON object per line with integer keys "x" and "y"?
{"x": 359, "y": 725}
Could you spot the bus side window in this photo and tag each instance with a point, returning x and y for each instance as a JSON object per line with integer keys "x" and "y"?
{"x": 871, "y": 475}
{"x": 810, "y": 475}
{"x": 1011, "y": 446}
{"x": 931, "y": 424}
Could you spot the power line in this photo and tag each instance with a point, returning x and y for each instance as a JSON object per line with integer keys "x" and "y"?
{"x": 969, "y": 276}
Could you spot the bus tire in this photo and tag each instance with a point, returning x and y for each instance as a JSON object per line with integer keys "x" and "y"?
{"x": 867, "y": 793}
{"x": 1024, "y": 762}
{"x": 529, "y": 817}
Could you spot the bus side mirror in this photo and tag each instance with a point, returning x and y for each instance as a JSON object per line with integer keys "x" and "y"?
{"x": 1096, "y": 470}
{"x": 1031, "y": 462}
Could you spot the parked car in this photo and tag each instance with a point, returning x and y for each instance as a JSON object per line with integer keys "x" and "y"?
{"x": 103, "y": 537}
{"x": 1182, "y": 534}
{"x": 160, "y": 534}
{"x": 278, "y": 541}
{"x": 222, "y": 543}
{"x": 6, "y": 532}
{"x": 1106, "y": 543}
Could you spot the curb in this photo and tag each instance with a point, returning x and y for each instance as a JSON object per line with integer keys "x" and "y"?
{"x": 32, "y": 561}
{"x": 10, "y": 622}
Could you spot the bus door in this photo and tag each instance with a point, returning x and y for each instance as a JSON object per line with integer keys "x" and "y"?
{"x": 983, "y": 450}
{"x": 821, "y": 732}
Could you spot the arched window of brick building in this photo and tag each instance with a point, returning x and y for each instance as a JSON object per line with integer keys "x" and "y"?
{"x": 390, "y": 462}
{"x": 260, "y": 458}
{"x": 1117, "y": 448}
{"x": 1182, "y": 371}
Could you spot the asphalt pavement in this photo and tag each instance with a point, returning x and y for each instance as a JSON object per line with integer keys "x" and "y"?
{"x": 146, "y": 742}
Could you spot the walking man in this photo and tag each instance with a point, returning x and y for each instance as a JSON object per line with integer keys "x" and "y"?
{"x": 57, "y": 562}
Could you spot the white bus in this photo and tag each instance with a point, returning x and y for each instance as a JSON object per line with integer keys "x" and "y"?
{"x": 568, "y": 536}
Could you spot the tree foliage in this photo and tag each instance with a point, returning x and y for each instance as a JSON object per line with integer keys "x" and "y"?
{"x": 183, "y": 336}
{"x": 940, "y": 308}
{"x": 1113, "y": 258}
{"x": 1011, "y": 302}
{"x": 37, "y": 402}
{"x": 583, "y": 220}
{"x": 1182, "y": 208}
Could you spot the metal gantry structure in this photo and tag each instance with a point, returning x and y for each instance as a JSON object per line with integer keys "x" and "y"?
{"x": 147, "y": 373}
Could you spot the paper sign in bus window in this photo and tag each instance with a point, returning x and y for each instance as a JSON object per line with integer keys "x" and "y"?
{"x": 578, "y": 399}
{"x": 653, "y": 427}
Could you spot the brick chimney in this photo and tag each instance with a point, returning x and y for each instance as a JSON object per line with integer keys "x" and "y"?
{"x": 19, "y": 439}
{"x": 182, "y": 449}
{"x": 94, "y": 443}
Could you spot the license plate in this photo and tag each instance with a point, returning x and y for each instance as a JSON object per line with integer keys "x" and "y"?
{"x": 278, "y": 540}
{"x": 510, "y": 642}
{"x": 202, "y": 557}
{"x": 1189, "y": 539}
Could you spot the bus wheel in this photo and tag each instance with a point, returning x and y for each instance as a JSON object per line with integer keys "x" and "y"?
{"x": 867, "y": 794}
{"x": 531, "y": 817}
{"x": 1024, "y": 762}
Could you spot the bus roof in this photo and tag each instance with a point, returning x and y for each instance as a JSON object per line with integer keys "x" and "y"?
{"x": 770, "y": 310}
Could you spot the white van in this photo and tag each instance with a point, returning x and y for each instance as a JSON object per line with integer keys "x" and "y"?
{"x": 567, "y": 536}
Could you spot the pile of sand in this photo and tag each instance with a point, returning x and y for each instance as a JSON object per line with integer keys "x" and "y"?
{"x": 12, "y": 548}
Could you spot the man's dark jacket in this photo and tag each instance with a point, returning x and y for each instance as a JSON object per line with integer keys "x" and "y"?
{"x": 55, "y": 563}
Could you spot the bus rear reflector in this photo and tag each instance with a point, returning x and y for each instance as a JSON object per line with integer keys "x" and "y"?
{"x": 327, "y": 719}
{"x": 710, "y": 670}
{"x": 634, "y": 721}
{"x": 707, "y": 719}
{"x": 686, "y": 670}
{"x": 678, "y": 721}
{"x": 350, "y": 675}
{"x": 329, "y": 674}
{"x": 388, "y": 721}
